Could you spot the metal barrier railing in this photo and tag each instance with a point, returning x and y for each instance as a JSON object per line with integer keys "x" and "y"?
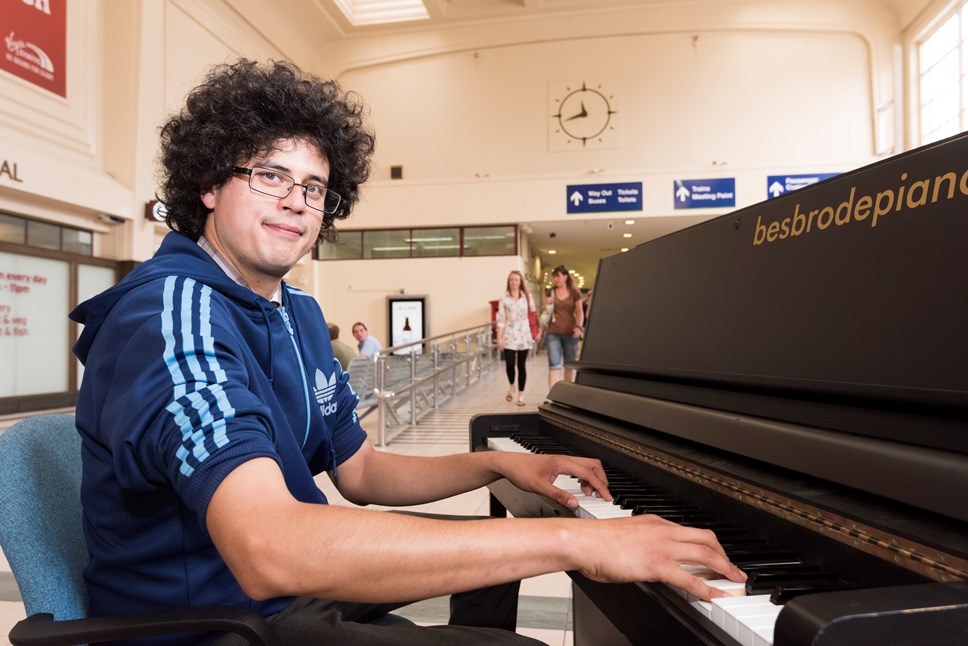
{"x": 437, "y": 371}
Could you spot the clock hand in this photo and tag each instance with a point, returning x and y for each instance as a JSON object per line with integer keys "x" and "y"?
{"x": 580, "y": 115}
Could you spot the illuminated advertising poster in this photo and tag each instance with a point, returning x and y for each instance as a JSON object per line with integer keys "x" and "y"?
{"x": 35, "y": 42}
{"x": 33, "y": 341}
{"x": 407, "y": 322}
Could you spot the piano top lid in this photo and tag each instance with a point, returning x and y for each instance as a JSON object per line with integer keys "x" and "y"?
{"x": 852, "y": 289}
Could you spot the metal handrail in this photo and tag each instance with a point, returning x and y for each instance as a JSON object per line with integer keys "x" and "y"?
{"x": 479, "y": 336}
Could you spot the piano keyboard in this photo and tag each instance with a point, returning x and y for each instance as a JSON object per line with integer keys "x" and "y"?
{"x": 747, "y": 618}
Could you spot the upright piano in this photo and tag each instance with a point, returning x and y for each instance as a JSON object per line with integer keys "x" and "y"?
{"x": 794, "y": 376}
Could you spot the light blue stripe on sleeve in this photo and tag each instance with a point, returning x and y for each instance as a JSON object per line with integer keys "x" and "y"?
{"x": 228, "y": 412}
{"x": 168, "y": 334}
{"x": 185, "y": 425}
{"x": 205, "y": 330}
{"x": 187, "y": 332}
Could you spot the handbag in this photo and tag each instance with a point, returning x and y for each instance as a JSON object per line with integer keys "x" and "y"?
{"x": 547, "y": 316}
{"x": 533, "y": 320}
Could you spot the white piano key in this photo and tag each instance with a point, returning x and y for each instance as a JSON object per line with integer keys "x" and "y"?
{"x": 702, "y": 607}
{"x": 726, "y": 611}
{"x": 749, "y": 625}
{"x": 505, "y": 444}
{"x": 763, "y": 636}
{"x": 733, "y": 588}
{"x": 701, "y": 571}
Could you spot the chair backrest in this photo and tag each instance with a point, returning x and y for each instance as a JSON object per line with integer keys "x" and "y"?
{"x": 362, "y": 379}
{"x": 40, "y": 514}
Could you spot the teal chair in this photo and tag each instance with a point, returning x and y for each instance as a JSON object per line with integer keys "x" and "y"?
{"x": 42, "y": 539}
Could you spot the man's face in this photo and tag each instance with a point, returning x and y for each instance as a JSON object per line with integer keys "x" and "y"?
{"x": 359, "y": 332}
{"x": 261, "y": 236}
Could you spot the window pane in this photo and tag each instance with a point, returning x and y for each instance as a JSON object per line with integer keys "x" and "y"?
{"x": 940, "y": 82}
{"x": 12, "y": 229}
{"x": 386, "y": 244}
{"x": 41, "y": 234}
{"x": 347, "y": 246}
{"x": 77, "y": 241}
{"x": 435, "y": 242}
{"x": 490, "y": 241}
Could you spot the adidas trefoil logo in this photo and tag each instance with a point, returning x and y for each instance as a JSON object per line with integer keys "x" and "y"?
{"x": 324, "y": 392}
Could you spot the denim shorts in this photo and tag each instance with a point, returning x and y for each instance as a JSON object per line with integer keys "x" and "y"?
{"x": 558, "y": 342}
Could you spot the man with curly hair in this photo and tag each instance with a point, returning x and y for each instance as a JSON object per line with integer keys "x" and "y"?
{"x": 210, "y": 401}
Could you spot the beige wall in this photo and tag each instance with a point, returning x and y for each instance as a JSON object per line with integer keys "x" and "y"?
{"x": 741, "y": 89}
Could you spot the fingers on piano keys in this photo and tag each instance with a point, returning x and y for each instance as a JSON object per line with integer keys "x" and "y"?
{"x": 747, "y": 619}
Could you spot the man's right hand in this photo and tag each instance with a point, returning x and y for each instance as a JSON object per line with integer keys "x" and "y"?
{"x": 650, "y": 548}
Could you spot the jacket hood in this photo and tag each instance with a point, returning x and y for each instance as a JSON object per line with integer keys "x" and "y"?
{"x": 177, "y": 256}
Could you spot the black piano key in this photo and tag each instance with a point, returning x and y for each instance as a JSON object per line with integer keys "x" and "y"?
{"x": 766, "y": 582}
{"x": 648, "y": 506}
{"x": 752, "y": 564}
{"x": 667, "y": 510}
{"x": 782, "y": 594}
{"x": 733, "y": 542}
{"x": 633, "y": 503}
{"x": 645, "y": 494}
{"x": 622, "y": 497}
{"x": 733, "y": 535}
{"x": 747, "y": 555}
{"x": 761, "y": 547}
{"x": 687, "y": 516}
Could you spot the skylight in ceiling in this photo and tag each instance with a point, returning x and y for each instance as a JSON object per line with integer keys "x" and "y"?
{"x": 378, "y": 12}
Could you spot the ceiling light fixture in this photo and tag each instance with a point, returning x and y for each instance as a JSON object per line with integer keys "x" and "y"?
{"x": 626, "y": 235}
{"x": 378, "y": 12}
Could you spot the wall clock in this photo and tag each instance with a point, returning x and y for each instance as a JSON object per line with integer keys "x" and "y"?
{"x": 583, "y": 115}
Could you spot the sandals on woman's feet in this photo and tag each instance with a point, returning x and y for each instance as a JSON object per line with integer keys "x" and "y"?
{"x": 520, "y": 400}
{"x": 510, "y": 396}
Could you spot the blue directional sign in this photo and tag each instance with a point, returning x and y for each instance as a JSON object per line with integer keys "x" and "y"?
{"x": 704, "y": 193}
{"x": 780, "y": 184}
{"x": 597, "y": 198}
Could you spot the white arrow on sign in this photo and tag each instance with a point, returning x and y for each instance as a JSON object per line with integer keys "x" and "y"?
{"x": 776, "y": 188}
{"x": 682, "y": 193}
{"x": 576, "y": 198}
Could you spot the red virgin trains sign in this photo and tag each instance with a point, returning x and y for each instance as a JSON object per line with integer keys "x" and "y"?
{"x": 34, "y": 45}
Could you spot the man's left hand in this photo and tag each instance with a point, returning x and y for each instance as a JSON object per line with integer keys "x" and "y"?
{"x": 537, "y": 474}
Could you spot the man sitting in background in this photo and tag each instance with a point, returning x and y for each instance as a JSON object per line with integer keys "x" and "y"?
{"x": 343, "y": 352}
{"x": 368, "y": 345}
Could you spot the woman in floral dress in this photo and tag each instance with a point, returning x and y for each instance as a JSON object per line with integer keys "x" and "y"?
{"x": 514, "y": 332}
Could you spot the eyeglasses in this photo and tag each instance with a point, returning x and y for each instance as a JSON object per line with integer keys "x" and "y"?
{"x": 271, "y": 182}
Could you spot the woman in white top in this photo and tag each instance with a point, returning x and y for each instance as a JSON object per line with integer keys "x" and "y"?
{"x": 514, "y": 332}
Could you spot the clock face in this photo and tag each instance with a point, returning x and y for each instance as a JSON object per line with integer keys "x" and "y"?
{"x": 584, "y": 115}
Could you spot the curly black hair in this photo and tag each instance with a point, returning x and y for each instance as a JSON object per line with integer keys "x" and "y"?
{"x": 242, "y": 110}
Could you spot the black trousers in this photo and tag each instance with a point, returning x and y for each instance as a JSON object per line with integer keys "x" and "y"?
{"x": 519, "y": 357}
{"x": 308, "y": 621}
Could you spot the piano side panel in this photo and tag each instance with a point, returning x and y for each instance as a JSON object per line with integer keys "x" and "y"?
{"x": 933, "y": 613}
{"x": 616, "y": 614}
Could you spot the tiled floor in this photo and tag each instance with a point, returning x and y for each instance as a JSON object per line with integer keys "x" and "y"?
{"x": 544, "y": 611}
